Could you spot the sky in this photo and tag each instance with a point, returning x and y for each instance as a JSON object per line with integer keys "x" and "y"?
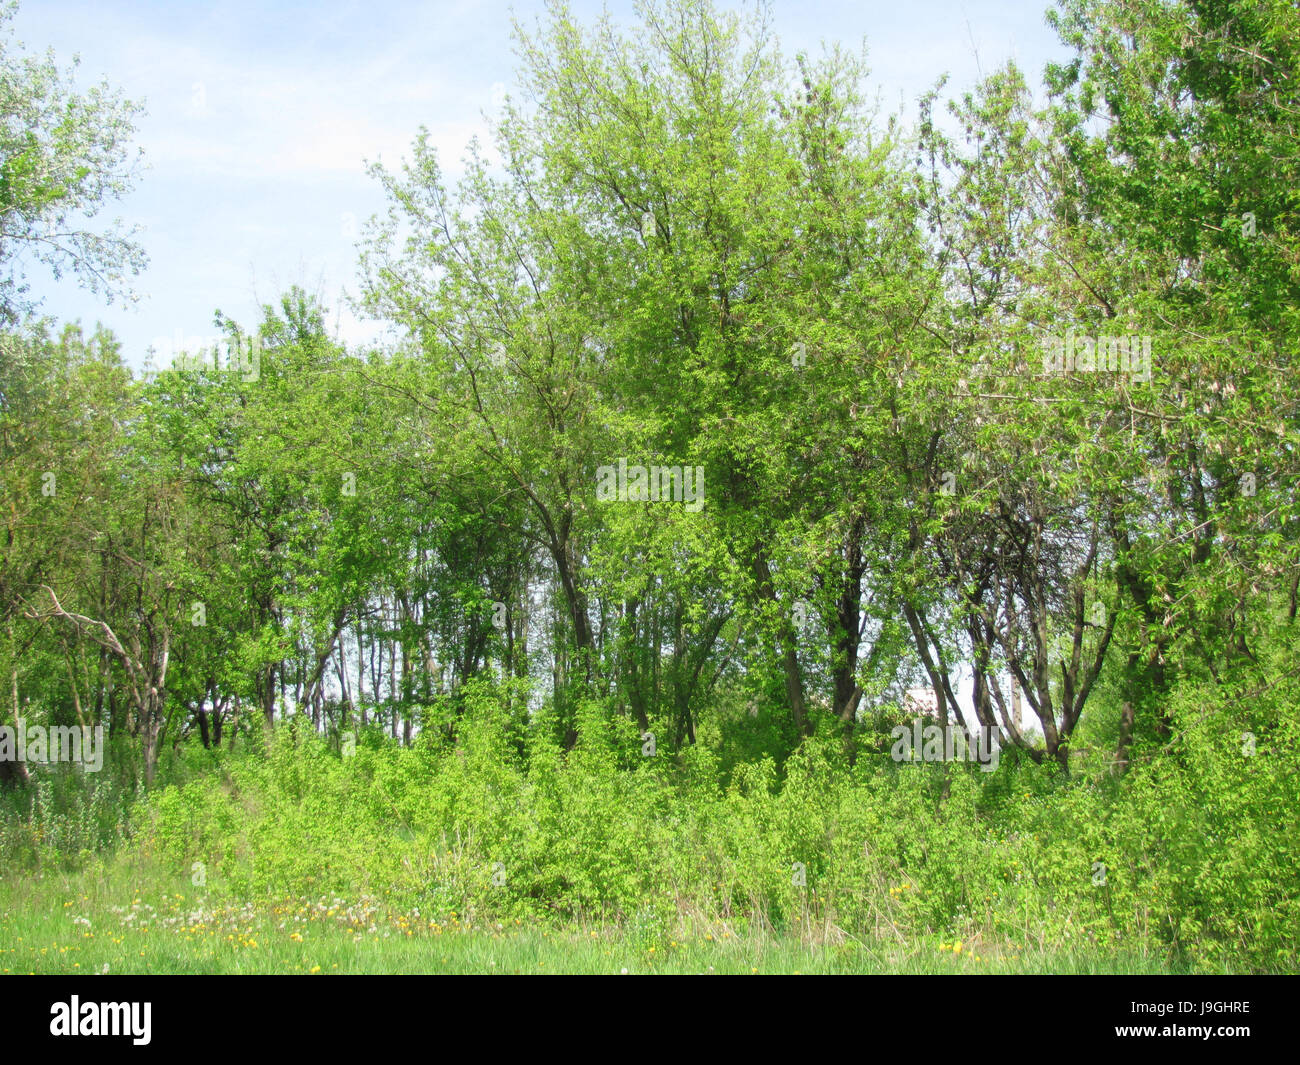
{"x": 260, "y": 118}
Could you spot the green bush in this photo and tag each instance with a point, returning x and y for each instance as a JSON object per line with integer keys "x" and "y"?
{"x": 1192, "y": 855}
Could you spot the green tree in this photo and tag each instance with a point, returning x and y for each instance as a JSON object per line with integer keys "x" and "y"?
{"x": 63, "y": 155}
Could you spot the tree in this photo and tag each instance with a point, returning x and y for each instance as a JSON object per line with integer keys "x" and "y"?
{"x": 63, "y": 154}
{"x": 1188, "y": 193}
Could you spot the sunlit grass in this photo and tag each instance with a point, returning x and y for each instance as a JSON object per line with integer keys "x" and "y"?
{"x": 132, "y": 920}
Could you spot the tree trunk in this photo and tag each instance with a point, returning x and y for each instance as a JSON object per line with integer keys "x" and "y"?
{"x": 786, "y": 635}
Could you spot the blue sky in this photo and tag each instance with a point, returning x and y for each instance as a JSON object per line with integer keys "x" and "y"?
{"x": 260, "y": 116}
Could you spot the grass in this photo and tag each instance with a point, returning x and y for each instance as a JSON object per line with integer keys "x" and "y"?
{"x": 125, "y": 919}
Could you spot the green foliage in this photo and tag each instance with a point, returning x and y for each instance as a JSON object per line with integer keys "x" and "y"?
{"x": 366, "y": 625}
{"x": 1195, "y": 850}
{"x": 62, "y": 154}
